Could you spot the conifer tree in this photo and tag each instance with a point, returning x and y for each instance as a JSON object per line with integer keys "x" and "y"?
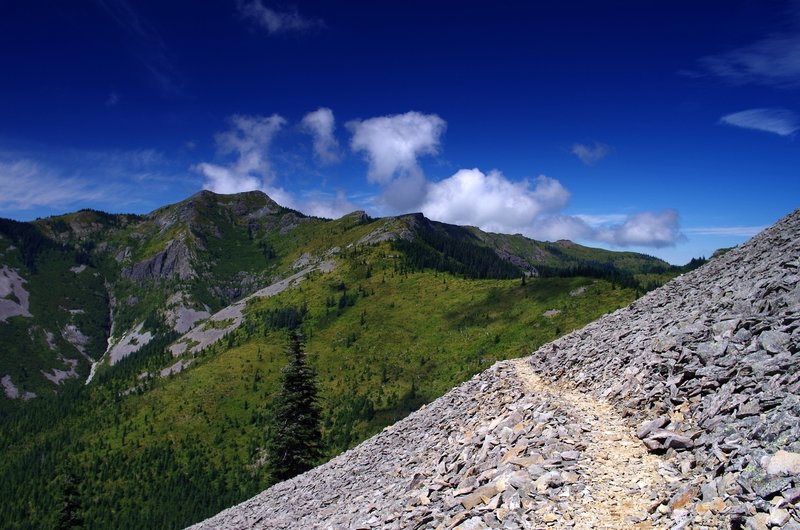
{"x": 294, "y": 441}
{"x": 69, "y": 517}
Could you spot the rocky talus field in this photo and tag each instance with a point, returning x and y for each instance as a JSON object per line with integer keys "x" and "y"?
{"x": 679, "y": 411}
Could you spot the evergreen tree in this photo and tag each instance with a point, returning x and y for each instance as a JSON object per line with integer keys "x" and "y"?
{"x": 294, "y": 442}
{"x": 70, "y": 515}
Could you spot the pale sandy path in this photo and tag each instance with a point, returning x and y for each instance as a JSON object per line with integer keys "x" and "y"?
{"x": 619, "y": 471}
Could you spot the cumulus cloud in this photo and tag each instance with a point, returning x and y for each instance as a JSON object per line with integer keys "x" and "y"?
{"x": 643, "y": 229}
{"x": 778, "y": 121}
{"x": 533, "y": 207}
{"x": 320, "y": 124}
{"x": 558, "y": 226}
{"x": 392, "y": 144}
{"x": 276, "y": 22}
{"x": 491, "y": 201}
{"x": 590, "y": 155}
{"x": 323, "y": 205}
{"x": 248, "y": 142}
{"x": 650, "y": 229}
{"x": 405, "y": 193}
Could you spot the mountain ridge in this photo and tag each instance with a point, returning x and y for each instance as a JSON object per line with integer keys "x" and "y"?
{"x": 188, "y": 260}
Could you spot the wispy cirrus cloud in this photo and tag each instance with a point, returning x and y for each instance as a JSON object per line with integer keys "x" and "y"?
{"x": 29, "y": 184}
{"x": 738, "y": 231}
{"x": 773, "y": 60}
{"x": 782, "y": 122}
{"x": 60, "y": 179}
{"x": 276, "y": 22}
{"x": 591, "y": 154}
{"x": 145, "y": 43}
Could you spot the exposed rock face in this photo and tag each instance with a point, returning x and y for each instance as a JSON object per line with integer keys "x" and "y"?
{"x": 180, "y": 314}
{"x": 12, "y": 392}
{"x": 230, "y": 318}
{"x": 13, "y": 296}
{"x": 57, "y": 376}
{"x": 129, "y": 343}
{"x": 173, "y": 261}
{"x": 74, "y": 336}
{"x": 680, "y": 411}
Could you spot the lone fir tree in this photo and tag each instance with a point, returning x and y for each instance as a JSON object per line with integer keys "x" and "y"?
{"x": 294, "y": 441}
{"x": 69, "y": 516}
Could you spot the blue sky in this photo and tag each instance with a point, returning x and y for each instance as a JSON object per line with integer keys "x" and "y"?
{"x": 665, "y": 127}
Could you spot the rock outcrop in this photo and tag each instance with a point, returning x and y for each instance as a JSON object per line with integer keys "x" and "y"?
{"x": 679, "y": 411}
{"x": 13, "y": 296}
{"x": 174, "y": 261}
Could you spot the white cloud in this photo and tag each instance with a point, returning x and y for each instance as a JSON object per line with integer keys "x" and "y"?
{"x": 61, "y": 179}
{"x": 112, "y": 100}
{"x": 320, "y": 125}
{"x": 494, "y": 203}
{"x": 321, "y": 205}
{"x": 27, "y": 184}
{"x": 491, "y": 201}
{"x": 220, "y": 179}
{"x": 778, "y": 121}
{"x": 276, "y": 22}
{"x": 602, "y": 219}
{"x": 590, "y": 155}
{"x": 392, "y": 144}
{"x": 555, "y": 227}
{"x": 738, "y": 231}
{"x": 651, "y": 229}
{"x": 772, "y": 61}
{"x": 248, "y": 141}
{"x": 405, "y": 193}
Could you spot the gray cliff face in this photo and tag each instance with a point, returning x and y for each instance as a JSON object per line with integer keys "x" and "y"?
{"x": 173, "y": 261}
{"x": 679, "y": 411}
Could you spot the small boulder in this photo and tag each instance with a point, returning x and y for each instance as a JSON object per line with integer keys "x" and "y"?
{"x": 783, "y": 463}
